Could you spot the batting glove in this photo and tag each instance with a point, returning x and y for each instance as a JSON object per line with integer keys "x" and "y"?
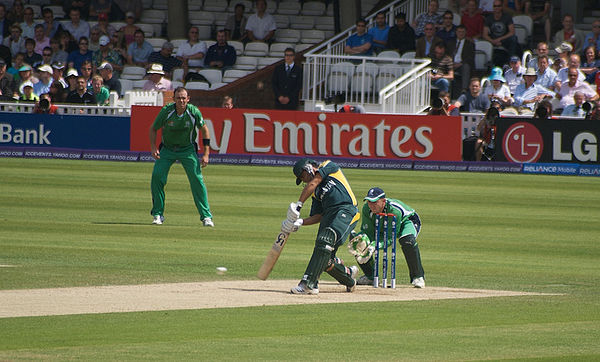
{"x": 293, "y": 212}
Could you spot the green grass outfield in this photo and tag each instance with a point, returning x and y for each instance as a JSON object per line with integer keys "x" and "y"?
{"x": 87, "y": 223}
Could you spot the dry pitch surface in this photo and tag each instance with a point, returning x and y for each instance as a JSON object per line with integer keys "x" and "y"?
{"x": 220, "y": 294}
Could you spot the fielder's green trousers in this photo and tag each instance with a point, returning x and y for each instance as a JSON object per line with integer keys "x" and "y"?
{"x": 193, "y": 169}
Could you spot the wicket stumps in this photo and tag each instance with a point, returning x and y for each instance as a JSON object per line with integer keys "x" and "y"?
{"x": 383, "y": 218}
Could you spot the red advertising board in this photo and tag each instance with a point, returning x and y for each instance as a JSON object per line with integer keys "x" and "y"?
{"x": 290, "y": 133}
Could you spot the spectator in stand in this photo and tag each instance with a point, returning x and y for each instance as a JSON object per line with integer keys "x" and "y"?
{"x": 543, "y": 110}
{"x": 157, "y": 81}
{"x": 128, "y": 30}
{"x": 235, "y": 27}
{"x": 94, "y": 41}
{"x": 591, "y": 65}
{"x": 546, "y": 76}
{"x": 462, "y": 50}
{"x": 58, "y": 55}
{"x": 139, "y": 51}
{"x": 569, "y": 34}
{"x": 28, "y": 24}
{"x": 572, "y": 86}
{"x": 81, "y": 95}
{"x": 99, "y": 91}
{"x": 541, "y": 49}
{"x": 164, "y": 57}
{"x": 221, "y": 55}
{"x": 402, "y": 36}
{"x": 447, "y": 32}
{"x": 15, "y": 42}
{"x": 473, "y": 101}
{"x": 500, "y": 31}
{"x": 563, "y": 73}
{"x": 133, "y": 7}
{"x": 8, "y": 86}
{"x": 429, "y": 17}
{"x": 57, "y": 74}
{"x": 82, "y": 5}
{"x": 564, "y": 51}
{"x": 540, "y": 11}
{"x": 67, "y": 42}
{"x": 227, "y": 102}
{"x": 113, "y": 84}
{"x": 26, "y": 93}
{"x": 379, "y": 32}
{"x": 31, "y": 57}
{"x": 513, "y": 7}
{"x": 99, "y": 8}
{"x": 103, "y": 25}
{"x": 43, "y": 86}
{"x": 77, "y": 57}
{"x": 41, "y": 40}
{"x": 47, "y": 55}
{"x": 473, "y": 20}
{"x": 593, "y": 38}
{"x": 87, "y": 71}
{"x": 528, "y": 94}
{"x": 107, "y": 54}
{"x": 51, "y": 27}
{"x": 44, "y": 105}
{"x": 17, "y": 62}
{"x": 261, "y": 26}
{"x": 71, "y": 79}
{"x": 16, "y": 13}
{"x": 360, "y": 43}
{"x": 442, "y": 68}
{"x": 425, "y": 44}
{"x": 486, "y": 7}
{"x": 77, "y": 27}
{"x": 4, "y": 22}
{"x": 192, "y": 53}
{"x": 118, "y": 44}
{"x": 497, "y": 90}
{"x": 575, "y": 109}
{"x": 287, "y": 82}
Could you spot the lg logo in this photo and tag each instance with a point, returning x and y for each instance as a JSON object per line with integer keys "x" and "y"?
{"x": 523, "y": 143}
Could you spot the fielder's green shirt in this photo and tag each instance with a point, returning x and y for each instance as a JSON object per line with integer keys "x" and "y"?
{"x": 178, "y": 131}
{"x": 402, "y": 211}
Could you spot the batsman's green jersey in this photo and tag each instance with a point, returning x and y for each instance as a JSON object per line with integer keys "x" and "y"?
{"x": 178, "y": 131}
{"x": 179, "y": 144}
{"x": 404, "y": 224}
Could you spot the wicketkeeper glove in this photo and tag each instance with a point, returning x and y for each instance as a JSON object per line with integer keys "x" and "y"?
{"x": 361, "y": 247}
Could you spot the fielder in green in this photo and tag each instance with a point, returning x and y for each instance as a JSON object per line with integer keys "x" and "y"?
{"x": 335, "y": 209}
{"x": 362, "y": 245}
{"x": 179, "y": 122}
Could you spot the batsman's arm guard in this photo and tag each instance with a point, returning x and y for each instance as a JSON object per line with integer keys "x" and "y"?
{"x": 361, "y": 247}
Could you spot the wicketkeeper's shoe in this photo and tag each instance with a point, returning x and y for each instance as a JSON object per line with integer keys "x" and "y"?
{"x": 158, "y": 219}
{"x": 208, "y": 222}
{"x": 353, "y": 274}
{"x": 364, "y": 280}
{"x": 303, "y": 289}
{"x": 419, "y": 282}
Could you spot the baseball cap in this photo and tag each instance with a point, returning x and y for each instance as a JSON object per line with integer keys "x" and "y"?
{"x": 104, "y": 40}
{"x": 130, "y": 14}
{"x": 2, "y": 62}
{"x": 168, "y": 45}
{"x": 514, "y": 58}
{"x": 105, "y": 65}
{"x": 374, "y": 194}
{"x": 71, "y": 73}
{"x": 24, "y": 85}
{"x": 24, "y": 68}
{"x": 565, "y": 46}
{"x": 103, "y": 16}
{"x": 300, "y": 166}
{"x": 45, "y": 68}
{"x": 58, "y": 65}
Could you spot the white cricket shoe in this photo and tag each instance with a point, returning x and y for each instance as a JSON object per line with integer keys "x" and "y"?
{"x": 364, "y": 280}
{"x": 353, "y": 274}
{"x": 158, "y": 220}
{"x": 208, "y": 222}
{"x": 303, "y": 289}
{"x": 419, "y": 282}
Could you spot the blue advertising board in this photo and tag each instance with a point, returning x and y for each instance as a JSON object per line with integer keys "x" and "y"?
{"x": 64, "y": 131}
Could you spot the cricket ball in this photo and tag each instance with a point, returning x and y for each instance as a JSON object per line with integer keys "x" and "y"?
{"x": 221, "y": 270}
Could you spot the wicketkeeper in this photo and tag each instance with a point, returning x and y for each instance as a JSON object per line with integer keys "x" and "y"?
{"x": 334, "y": 208}
{"x": 362, "y": 245}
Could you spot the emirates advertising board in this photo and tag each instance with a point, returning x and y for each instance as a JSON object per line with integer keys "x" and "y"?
{"x": 319, "y": 134}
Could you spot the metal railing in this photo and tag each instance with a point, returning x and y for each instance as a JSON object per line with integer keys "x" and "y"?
{"x": 87, "y": 110}
{"x": 326, "y": 64}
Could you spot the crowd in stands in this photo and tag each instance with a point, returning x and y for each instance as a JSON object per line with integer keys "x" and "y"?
{"x": 564, "y": 79}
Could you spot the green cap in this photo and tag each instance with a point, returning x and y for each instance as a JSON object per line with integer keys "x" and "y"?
{"x": 299, "y": 166}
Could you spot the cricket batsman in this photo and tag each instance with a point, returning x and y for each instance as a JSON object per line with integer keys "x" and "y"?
{"x": 362, "y": 245}
{"x": 334, "y": 208}
{"x": 179, "y": 122}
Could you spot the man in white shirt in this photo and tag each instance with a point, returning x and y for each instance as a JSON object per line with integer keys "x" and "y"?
{"x": 569, "y": 89}
{"x": 77, "y": 27}
{"x": 546, "y": 76}
{"x": 563, "y": 73}
{"x": 261, "y": 26}
{"x": 193, "y": 51}
{"x": 514, "y": 75}
{"x": 157, "y": 81}
{"x": 575, "y": 109}
{"x": 28, "y": 25}
{"x": 541, "y": 49}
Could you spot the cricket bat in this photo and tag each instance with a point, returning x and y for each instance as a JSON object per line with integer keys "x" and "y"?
{"x": 272, "y": 256}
